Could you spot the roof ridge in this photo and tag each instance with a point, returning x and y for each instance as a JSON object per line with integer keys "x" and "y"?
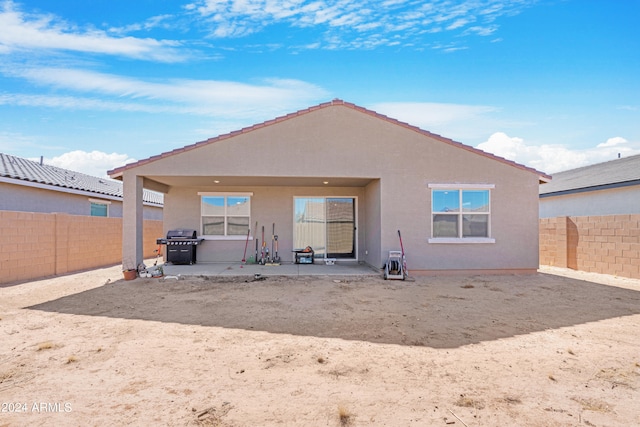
{"x": 334, "y": 102}
{"x": 46, "y": 166}
{"x": 602, "y": 164}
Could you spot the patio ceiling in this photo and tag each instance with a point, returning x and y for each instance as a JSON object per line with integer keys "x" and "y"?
{"x": 269, "y": 181}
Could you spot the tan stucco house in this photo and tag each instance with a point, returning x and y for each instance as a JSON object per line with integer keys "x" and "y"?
{"x": 343, "y": 180}
{"x": 607, "y": 188}
{"x": 30, "y": 186}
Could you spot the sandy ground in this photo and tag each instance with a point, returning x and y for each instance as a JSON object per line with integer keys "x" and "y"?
{"x": 558, "y": 348}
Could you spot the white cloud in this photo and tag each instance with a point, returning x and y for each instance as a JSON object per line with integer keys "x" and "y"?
{"x": 429, "y": 114}
{"x": 95, "y": 163}
{"x": 457, "y": 121}
{"x": 21, "y": 31}
{"x": 345, "y": 19}
{"x": 458, "y": 23}
{"x": 10, "y": 141}
{"x": 554, "y": 158}
{"x": 482, "y": 30}
{"x": 158, "y": 21}
{"x": 82, "y": 103}
{"x": 455, "y": 48}
{"x": 206, "y": 97}
{"x": 612, "y": 142}
{"x": 336, "y": 24}
{"x": 505, "y": 146}
{"x": 15, "y": 142}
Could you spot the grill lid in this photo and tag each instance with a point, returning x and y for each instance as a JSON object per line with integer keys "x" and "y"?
{"x": 181, "y": 233}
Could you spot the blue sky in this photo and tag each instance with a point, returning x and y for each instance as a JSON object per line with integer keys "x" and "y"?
{"x": 552, "y": 84}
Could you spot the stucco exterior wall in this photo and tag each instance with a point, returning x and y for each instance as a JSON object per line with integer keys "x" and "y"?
{"x": 615, "y": 201}
{"x": 29, "y": 199}
{"x": 397, "y": 164}
{"x": 268, "y": 205}
{"x": 372, "y": 239}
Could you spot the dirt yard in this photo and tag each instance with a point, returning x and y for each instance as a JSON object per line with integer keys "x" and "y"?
{"x": 554, "y": 349}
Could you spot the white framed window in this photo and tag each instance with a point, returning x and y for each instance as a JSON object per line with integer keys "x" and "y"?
{"x": 461, "y": 213}
{"x": 225, "y": 215}
{"x": 99, "y": 207}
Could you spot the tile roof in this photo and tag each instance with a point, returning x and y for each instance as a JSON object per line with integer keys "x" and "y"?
{"x": 611, "y": 174}
{"x": 117, "y": 173}
{"x": 22, "y": 169}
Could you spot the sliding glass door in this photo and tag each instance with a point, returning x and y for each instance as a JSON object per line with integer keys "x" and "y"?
{"x": 341, "y": 227}
{"x": 309, "y": 225}
{"x": 328, "y": 225}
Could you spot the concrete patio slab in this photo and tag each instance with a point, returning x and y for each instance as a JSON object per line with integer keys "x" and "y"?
{"x": 285, "y": 269}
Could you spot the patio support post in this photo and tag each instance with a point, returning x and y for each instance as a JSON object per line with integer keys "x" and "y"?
{"x": 132, "y": 221}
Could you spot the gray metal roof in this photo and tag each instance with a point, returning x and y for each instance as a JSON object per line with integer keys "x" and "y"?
{"x": 22, "y": 169}
{"x": 612, "y": 174}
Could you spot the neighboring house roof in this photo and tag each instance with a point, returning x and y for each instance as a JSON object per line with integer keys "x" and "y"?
{"x": 117, "y": 173}
{"x": 612, "y": 174}
{"x": 18, "y": 170}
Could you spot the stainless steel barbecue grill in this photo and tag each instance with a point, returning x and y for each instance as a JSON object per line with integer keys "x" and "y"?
{"x": 181, "y": 246}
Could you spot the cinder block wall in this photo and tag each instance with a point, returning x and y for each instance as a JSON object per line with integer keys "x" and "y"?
{"x": 36, "y": 245}
{"x": 549, "y": 241}
{"x": 602, "y": 244}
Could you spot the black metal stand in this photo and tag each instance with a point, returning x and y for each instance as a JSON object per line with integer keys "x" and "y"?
{"x": 304, "y": 257}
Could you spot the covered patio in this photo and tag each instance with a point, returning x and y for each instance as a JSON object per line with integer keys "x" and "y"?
{"x": 228, "y": 269}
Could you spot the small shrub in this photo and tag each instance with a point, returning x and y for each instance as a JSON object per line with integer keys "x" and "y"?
{"x": 47, "y": 345}
{"x": 344, "y": 415}
{"x": 468, "y": 402}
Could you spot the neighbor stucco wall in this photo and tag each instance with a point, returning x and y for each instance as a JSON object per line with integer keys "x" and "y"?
{"x": 30, "y": 199}
{"x": 342, "y": 142}
{"x": 614, "y": 201}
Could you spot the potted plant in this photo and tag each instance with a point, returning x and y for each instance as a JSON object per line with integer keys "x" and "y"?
{"x": 129, "y": 270}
